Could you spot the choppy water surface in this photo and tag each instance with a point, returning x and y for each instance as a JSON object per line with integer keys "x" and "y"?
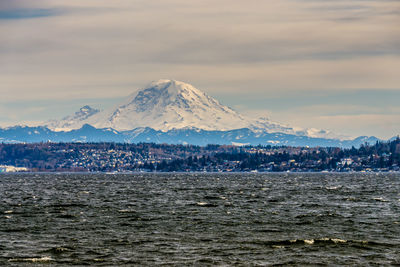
{"x": 200, "y": 219}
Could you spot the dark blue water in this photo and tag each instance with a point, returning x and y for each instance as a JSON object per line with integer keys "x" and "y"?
{"x": 200, "y": 219}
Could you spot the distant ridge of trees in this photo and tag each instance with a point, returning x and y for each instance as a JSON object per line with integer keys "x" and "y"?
{"x": 381, "y": 156}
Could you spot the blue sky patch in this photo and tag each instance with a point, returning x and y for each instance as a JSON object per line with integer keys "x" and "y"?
{"x": 27, "y": 13}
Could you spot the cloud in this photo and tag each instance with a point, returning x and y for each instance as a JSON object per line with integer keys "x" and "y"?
{"x": 27, "y": 13}
{"x": 68, "y": 50}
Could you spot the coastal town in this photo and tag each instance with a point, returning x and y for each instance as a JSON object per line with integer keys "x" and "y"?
{"x": 113, "y": 157}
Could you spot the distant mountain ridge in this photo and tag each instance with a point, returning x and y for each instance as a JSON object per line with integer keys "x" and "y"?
{"x": 173, "y": 112}
{"x": 244, "y": 136}
{"x": 168, "y": 104}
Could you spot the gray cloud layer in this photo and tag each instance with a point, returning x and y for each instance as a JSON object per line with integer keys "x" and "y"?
{"x": 100, "y": 49}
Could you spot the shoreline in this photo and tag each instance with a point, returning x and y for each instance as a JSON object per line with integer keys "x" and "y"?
{"x": 227, "y": 173}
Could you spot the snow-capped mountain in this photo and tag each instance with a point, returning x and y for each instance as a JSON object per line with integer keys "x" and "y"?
{"x": 25, "y": 134}
{"x": 173, "y": 112}
{"x": 168, "y": 104}
{"x": 69, "y": 122}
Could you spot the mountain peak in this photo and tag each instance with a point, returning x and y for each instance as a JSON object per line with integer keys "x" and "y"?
{"x": 166, "y": 83}
{"x": 87, "y": 109}
{"x": 168, "y": 94}
{"x": 171, "y": 88}
{"x": 84, "y": 112}
{"x": 169, "y": 104}
{"x": 78, "y": 117}
{"x": 162, "y": 105}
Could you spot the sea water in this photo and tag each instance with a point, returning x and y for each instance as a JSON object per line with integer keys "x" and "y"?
{"x": 199, "y": 219}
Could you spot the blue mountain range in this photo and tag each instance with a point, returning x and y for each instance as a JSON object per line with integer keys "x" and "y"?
{"x": 244, "y": 136}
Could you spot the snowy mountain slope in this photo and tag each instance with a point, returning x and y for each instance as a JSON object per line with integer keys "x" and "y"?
{"x": 162, "y": 105}
{"x": 69, "y": 122}
{"x": 24, "y": 134}
{"x": 168, "y": 104}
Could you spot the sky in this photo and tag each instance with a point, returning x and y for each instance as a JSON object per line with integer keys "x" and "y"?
{"x": 329, "y": 64}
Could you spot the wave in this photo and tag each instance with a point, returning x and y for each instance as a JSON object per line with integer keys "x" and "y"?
{"x": 37, "y": 260}
{"x": 380, "y": 199}
{"x": 320, "y": 242}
